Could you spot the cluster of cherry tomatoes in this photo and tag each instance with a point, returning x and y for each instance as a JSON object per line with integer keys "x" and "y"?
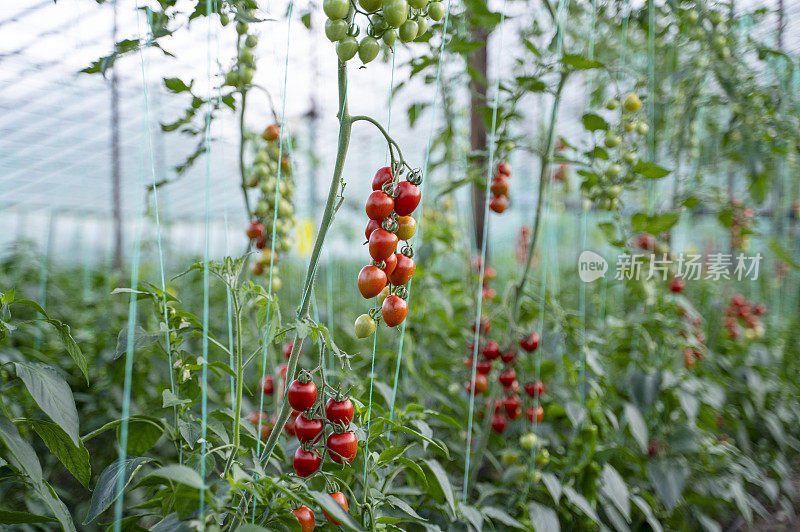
{"x": 740, "y": 224}
{"x": 499, "y": 187}
{"x": 389, "y": 208}
{"x": 489, "y": 274}
{"x": 386, "y": 20}
{"x": 510, "y": 407}
{"x": 743, "y": 315}
{"x": 244, "y": 69}
{"x": 305, "y": 516}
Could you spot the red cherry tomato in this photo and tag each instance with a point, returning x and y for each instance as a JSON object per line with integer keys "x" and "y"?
{"x": 500, "y": 185}
{"x": 382, "y": 176}
{"x": 371, "y": 281}
{"x": 255, "y": 230}
{"x": 305, "y": 462}
{"x": 342, "y": 447}
{"x": 382, "y": 243}
{"x": 498, "y": 204}
{"x": 379, "y": 205}
{"x": 407, "y": 197}
{"x": 301, "y": 396}
{"x": 499, "y": 423}
{"x": 289, "y": 427}
{"x": 481, "y": 384}
{"x": 394, "y": 310}
{"x": 305, "y": 517}
{"x": 508, "y": 356}
{"x": 510, "y": 403}
{"x": 255, "y": 416}
{"x": 342, "y": 500}
{"x": 339, "y": 411}
{"x": 530, "y": 343}
{"x": 676, "y": 285}
{"x": 287, "y": 349}
{"x": 371, "y": 226}
{"x": 483, "y": 367}
{"x": 391, "y": 264}
{"x": 491, "y": 350}
{"x": 403, "y": 271}
{"x": 507, "y": 377}
{"x": 307, "y": 429}
{"x": 538, "y": 412}
{"x": 504, "y": 168}
{"x": 534, "y": 389}
{"x": 268, "y": 385}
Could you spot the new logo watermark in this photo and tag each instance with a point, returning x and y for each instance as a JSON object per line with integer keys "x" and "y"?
{"x": 591, "y": 266}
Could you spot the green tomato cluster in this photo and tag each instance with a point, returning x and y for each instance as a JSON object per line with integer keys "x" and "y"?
{"x": 387, "y": 20}
{"x": 243, "y": 71}
{"x": 262, "y": 175}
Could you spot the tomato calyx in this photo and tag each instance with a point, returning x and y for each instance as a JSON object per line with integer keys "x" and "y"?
{"x": 304, "y": 377}
{"x": 408, "y": 251}
{"x": 415, "y": 178}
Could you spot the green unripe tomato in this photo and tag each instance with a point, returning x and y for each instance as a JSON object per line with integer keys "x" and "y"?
{"x": 629, "y": 125}
{"x": 632, "y": 102}
{"x": 246, "y": 56}
{"x": 251, "y": 41}
{"x": 614, "y": 191}
{"x": 285, "y": 208}
{"x": 251, "y": 181}
{"x": 389, "y": 36}
{"x": 370, "y": 5}
{"x": 629, "y": 157}
{"x": 544, "y": 457}
{"x": 611, "y": 140}
{"x": 612, "y": 104}
{"x": 720, "y": 41}
{"x": 364, "y": 326}
{"x": 246, "y": 76}
{"x": 262, "y": 208}
{"x": 378, "y": 22}
{"x": 368, "y": 49}
{"x": 715, "y": 17}
{"x": 336, "y": 9}
{"x": 232, "y": 78}
{"x": 408, "y": 31}
{"x": 642, "y": 128}
{"x": 509, "y": 458}
{"x": 224, "y": 19}
{"x": 422, "y": 27}
{"x": 692, "y": 16}
{"x": 725, "y": 53}
{"x": 508, "y": 145}
{"x": 418, "y": 4}
{"x": 527, "y": 441}
{"x": 346, "y": 48}
{"x": 241, "y": 27}
{"x": 395, "y": 12}
{"x": 335, "y": 30}
{"x": 436, "y": 11}
{"x": 613, "y": 170}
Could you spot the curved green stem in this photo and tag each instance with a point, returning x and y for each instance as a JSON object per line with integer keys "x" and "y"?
{"x": 385, "y": 134}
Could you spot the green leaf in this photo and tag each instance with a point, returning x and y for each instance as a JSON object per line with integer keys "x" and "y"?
{"x": 544, "y": 519}
{"x": 636, "y": 425}
{"x": 337, "y": 512}
{"x": 23, "y": 456}
{"x": 580, "y": 62}
{"x": 8, "y": 297}
{"x": 593, "y": 122}
{"x": 741, "y": 498}
{"x": 169, "y": 399}
{"x": 613, "y": 487}
{"x": 553, "y": 486}
{"x": 776, "y": 247}
{"x": 143, "y": 434}
{"x": 668, "y": 478}
{"x": 172, "y": 523}
{"x": 473, "y": 516}
{"x": 52, "y": 394}
{"x": 180, "y": 474}
{"x": 10, "y": 517}
{"x": 402, "y": 505}
{"x": 191, "y": 431}
{"x": 580, "y": 501}
{"x": 644, "y": 507}
{"x": 439, "y": 475}
{"x": 176, "y": 85}
{"x": 306, "y": 18}
{"x": 390, "y": 453}
{"x": 105, "y": 492}
{"x": 496, "y": 514}
{"x": 656, "y": 223}
{"x": 650, "y": 170}
{"x": 75, "y": 458}
{"x": 59, "y": 509}
{"x": 141, "y": 339}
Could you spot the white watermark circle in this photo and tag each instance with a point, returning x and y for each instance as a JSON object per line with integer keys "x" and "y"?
{"x": 591, "y": 266}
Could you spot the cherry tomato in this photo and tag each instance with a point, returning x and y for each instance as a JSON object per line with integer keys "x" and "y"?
{"x": 383, "y": 295}
{"x": 395, "y": 12}
{"x": 301, "y": 396}
{"x": 336, "y": 9}
{"x": 379, "y": 205}
{"x": 510, "y": 403}
{"x": 382, "y": 243}
{"x": 481, "y": 384}
{"x": 335, "y": 30}
{"x": 389, "y": 37}
{"x": 530, "y": 343}
{"x": 305, "y": 462}
{"x": 382, "y": 176}
{"x": 403, "y": 271}
{"x": 504, "y": 168}
{"x": 491, "y": 350}
{"x": 255, "y": 416}
{"x": 760, "y": 310}
{"x": 289, "y": 427}
{"x": 676, "y": 285}
{"x": 407, "y": 197}
{"x": 498, "y": 203}
{"x": 508, "y": 356}
{"x": 371, "y": 226}
{"x": 483, "y": 367}
{"x": 486, "y": 325}
{"x": 258, "y": 267}
{"x": 530, "y": 412}
{"x": 391, "y": 264}
{"x": 342, "y": 447}
{"x": 371, "y": 281}
{"x": 368, "y": 49}
{"x": 268, "y": 385}
{"x": 534, "y": 389}
{"x": 255, "y": 230}
{"x": 436, "y": 11}
{"x": 370, "y": 5}
{"x": 307, "y": 429}
{"x": 364, "y": 326}
{"x": 632, "y": 102}
{"x": 282, "y": 369}
{"x": 499, "y": 185}
{"x": 342, "y": 501}
{"x": 407, "y": 226}
{"x": 408, "y": 31}
{"x": 306, "y": 518}
{"x": 287, "y": 349}
{"x": 499, "y": 423}
{"x": 346, "y": 48}
{"x": 507, "y": 377}
{"x": 394, "y": 310}
{"x": 339, "y": 411}
{"x": 272, "y": 133}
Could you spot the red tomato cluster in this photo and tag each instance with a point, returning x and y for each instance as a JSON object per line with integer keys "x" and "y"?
{"x": 499, "y": 187}
{"x": 305, "y": 516}
{"x": 741, "y": 223}
{"x": 489, "y": 274}
{"x": 389, "y": 208}
{"x": 691, "y": 353}
{"x": 743, "y": 315}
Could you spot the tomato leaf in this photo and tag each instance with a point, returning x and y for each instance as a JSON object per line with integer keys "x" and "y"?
{"x": 75, "y": 458}
{"x": 10, "y": 517}
{"x": 636, "y": 425}
{"x": 650, "y": 170}
{"x": 593, "y": 122}
{"x": 22, "y": 455}
{"x": 442, "y": 482}
{"x": 580, "y": 62}
{"x": 105, "y": 492}
{"x": 544, "y": 519}
{"x": 141, "y": 339}
{"x": 668, "y": 478}
{"x": 51, "y": 392}
{"x": 614, "y": 488}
